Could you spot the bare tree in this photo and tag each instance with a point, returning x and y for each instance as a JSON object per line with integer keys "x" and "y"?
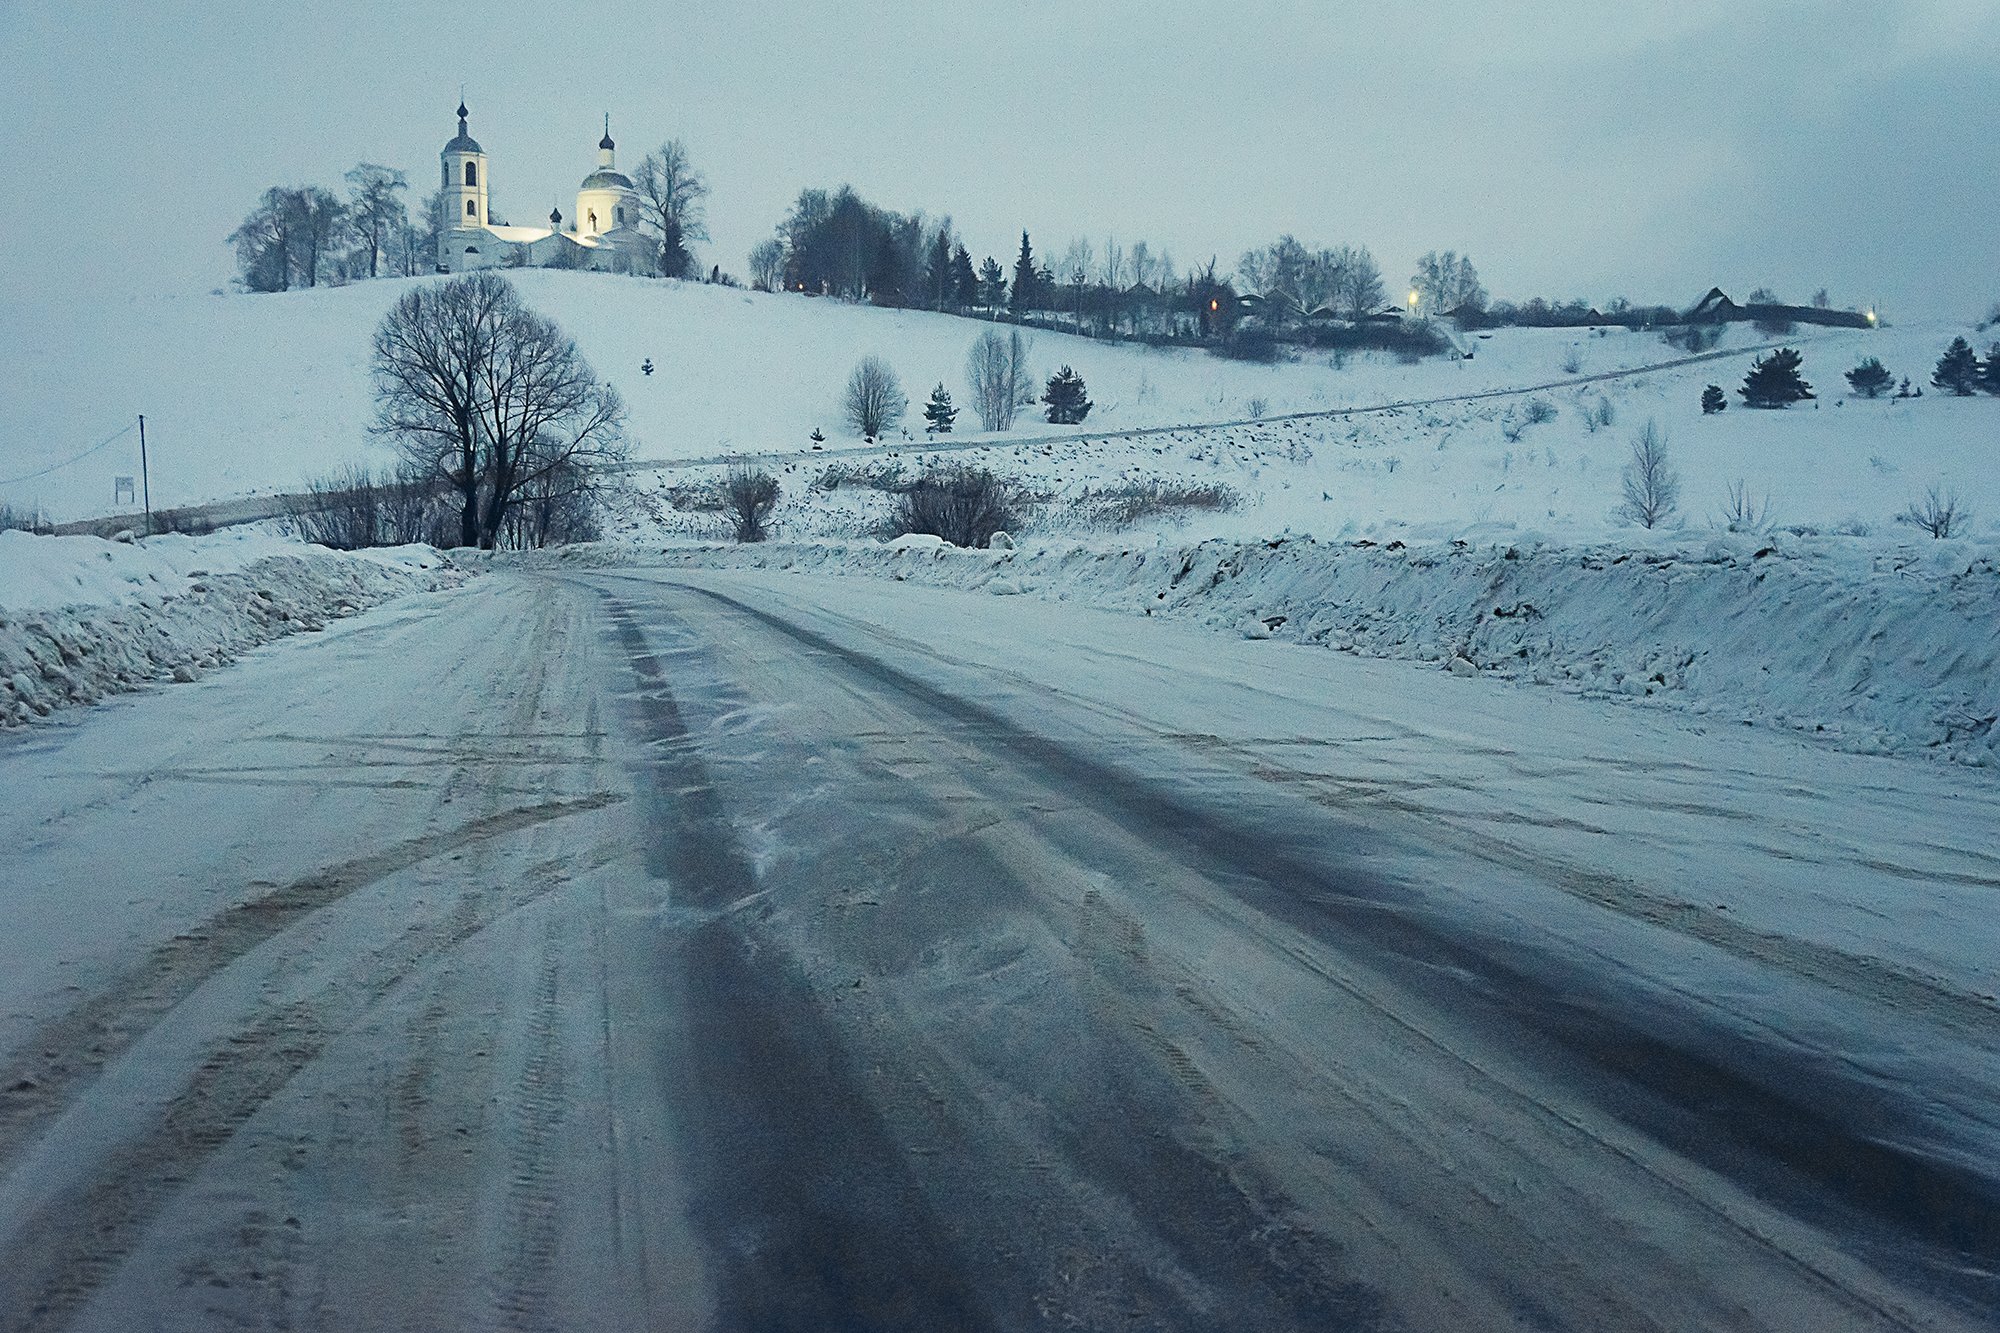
{"x": 767, "y": 264}
{"x": 672, "y": 196}
{"x": 1357, "y": 284}
{"x": 1447, "y": 282}
{"x": 750, "y": 497}
{"x": 1002, "y": 385}
{"x": 1938, "y": 513}
{"x": 321, "y": 218}
{"x": 489, "y": 398}
{"x": 376, "y": 212}
{"x": 264, "y": 242}
{"x": 875, "y": 399}
{"x": 1652, "y": 488}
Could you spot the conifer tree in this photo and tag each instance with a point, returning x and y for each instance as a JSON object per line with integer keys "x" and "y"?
{"x": 938, "y": 283}
{"x": 1870, "y": 379}
{"x": 817, "y": 438}
{"x": 992, "y": 284}
{"x": 939, "y": 412}
{"x": 1713, "y": 400}
{"x": 1774, "y": 380}
{"x": 1957, "y": 370}
{"x": 965, "y": 283}
{"x": 1989, "y": 374}
{"x": 1027, "y": 283}
{"x": 1065, "y": 397}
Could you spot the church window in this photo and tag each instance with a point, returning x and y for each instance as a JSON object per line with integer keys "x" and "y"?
{"x": 472, "y": 173}
{"x": 619, "y": 214}
{"x": 471, "y": 210}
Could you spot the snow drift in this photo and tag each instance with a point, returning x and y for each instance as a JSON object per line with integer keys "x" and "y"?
{"x": 81, "y": 618}
{"x": 1876, "y": 647}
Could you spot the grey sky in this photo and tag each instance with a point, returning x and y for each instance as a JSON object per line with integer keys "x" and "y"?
{"x": 1570, "y": 149}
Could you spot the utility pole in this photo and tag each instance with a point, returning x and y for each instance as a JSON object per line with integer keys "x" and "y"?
{"x": 145, "y": 475}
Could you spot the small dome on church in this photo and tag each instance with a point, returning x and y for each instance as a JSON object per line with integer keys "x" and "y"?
{"x": 463, "y": 143}
{"x": 605, "y": 143}
{"x": 555, "y": 218}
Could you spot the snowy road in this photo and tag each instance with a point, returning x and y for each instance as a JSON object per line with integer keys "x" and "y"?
{"x": 622, "y": 950}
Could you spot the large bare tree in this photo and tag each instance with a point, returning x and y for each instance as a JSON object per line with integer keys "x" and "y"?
{"x": 376, "y": 212}
{"x": 875, "y": 399}
{"x": 672, "y": 195}
{"x": 490, "y": 399}
{"x": 1002, "y": 384}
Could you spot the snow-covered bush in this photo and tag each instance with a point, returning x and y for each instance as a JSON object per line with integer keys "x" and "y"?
{"x": 1939, "y": 513}
{"x": 964, "y": 506}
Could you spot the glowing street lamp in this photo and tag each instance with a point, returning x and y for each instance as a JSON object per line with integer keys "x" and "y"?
{"x": 1413, "y": 300}
{"x": 1871, "y": 315}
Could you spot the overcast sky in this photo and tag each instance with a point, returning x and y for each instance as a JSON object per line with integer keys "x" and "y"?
{"x": 1570, "y": 149}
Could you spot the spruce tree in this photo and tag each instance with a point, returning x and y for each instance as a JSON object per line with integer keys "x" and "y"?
{"x": 992, "y": 284}
{"x": 1870, "y": 379}
{"x": 1713, "y": 400}
{"x": 963, "y": 280}
{"x": 1026, "y": 284}
{"x": 1989, "y": 374}
{"x": 939, "y": 412}
{"x": 1957, "y": 370}
{"x": 938, "y": 283}
{"x": 1774, "y": 381}
{"x": 1065, "y": 397}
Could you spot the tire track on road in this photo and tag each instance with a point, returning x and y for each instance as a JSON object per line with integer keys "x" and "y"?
{"x": 59, "y": 1059}
{"x": 77, "y": 1239}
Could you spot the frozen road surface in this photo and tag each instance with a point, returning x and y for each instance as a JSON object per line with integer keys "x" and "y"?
{"x": 623, "y": 950}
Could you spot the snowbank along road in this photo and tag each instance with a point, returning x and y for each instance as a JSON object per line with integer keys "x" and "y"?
{"x": 627, "y": 949}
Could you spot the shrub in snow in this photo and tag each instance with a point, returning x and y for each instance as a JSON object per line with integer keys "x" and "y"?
{"x": 1713, "y": 400}
{"x": 1066, "y": 398}
{"x": 1572, "y": 362}
{"x": 875, "y": 400}
{"x": 1652, "y": 488}
{"x": 1870, "y": 379}
{"x": 1693, "y": 338}
{"x": 23, "y": 520}
{"x": 964, "y": 506}
{"x": 750, "y": 497}
{"x": 1129, "y": 502}
{"x": 1774, "y": 380}
{"x": 1598, "y": 415}
{"x": 1742, "y": 514}
{"x": 1937, "y": 513}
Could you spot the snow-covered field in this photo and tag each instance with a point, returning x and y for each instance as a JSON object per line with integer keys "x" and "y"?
{"x": 246, "y": 393}
{"x": 81, "y": 617}
{"x": 1478, "y": 470}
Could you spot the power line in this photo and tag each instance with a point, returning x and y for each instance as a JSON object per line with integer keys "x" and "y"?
{"x": 101, "y": 444}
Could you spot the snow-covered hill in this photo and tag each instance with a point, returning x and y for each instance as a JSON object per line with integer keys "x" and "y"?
{"x": 256, "y": 393}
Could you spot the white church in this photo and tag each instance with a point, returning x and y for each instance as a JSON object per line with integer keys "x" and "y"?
{"x": 602, "y": 234}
